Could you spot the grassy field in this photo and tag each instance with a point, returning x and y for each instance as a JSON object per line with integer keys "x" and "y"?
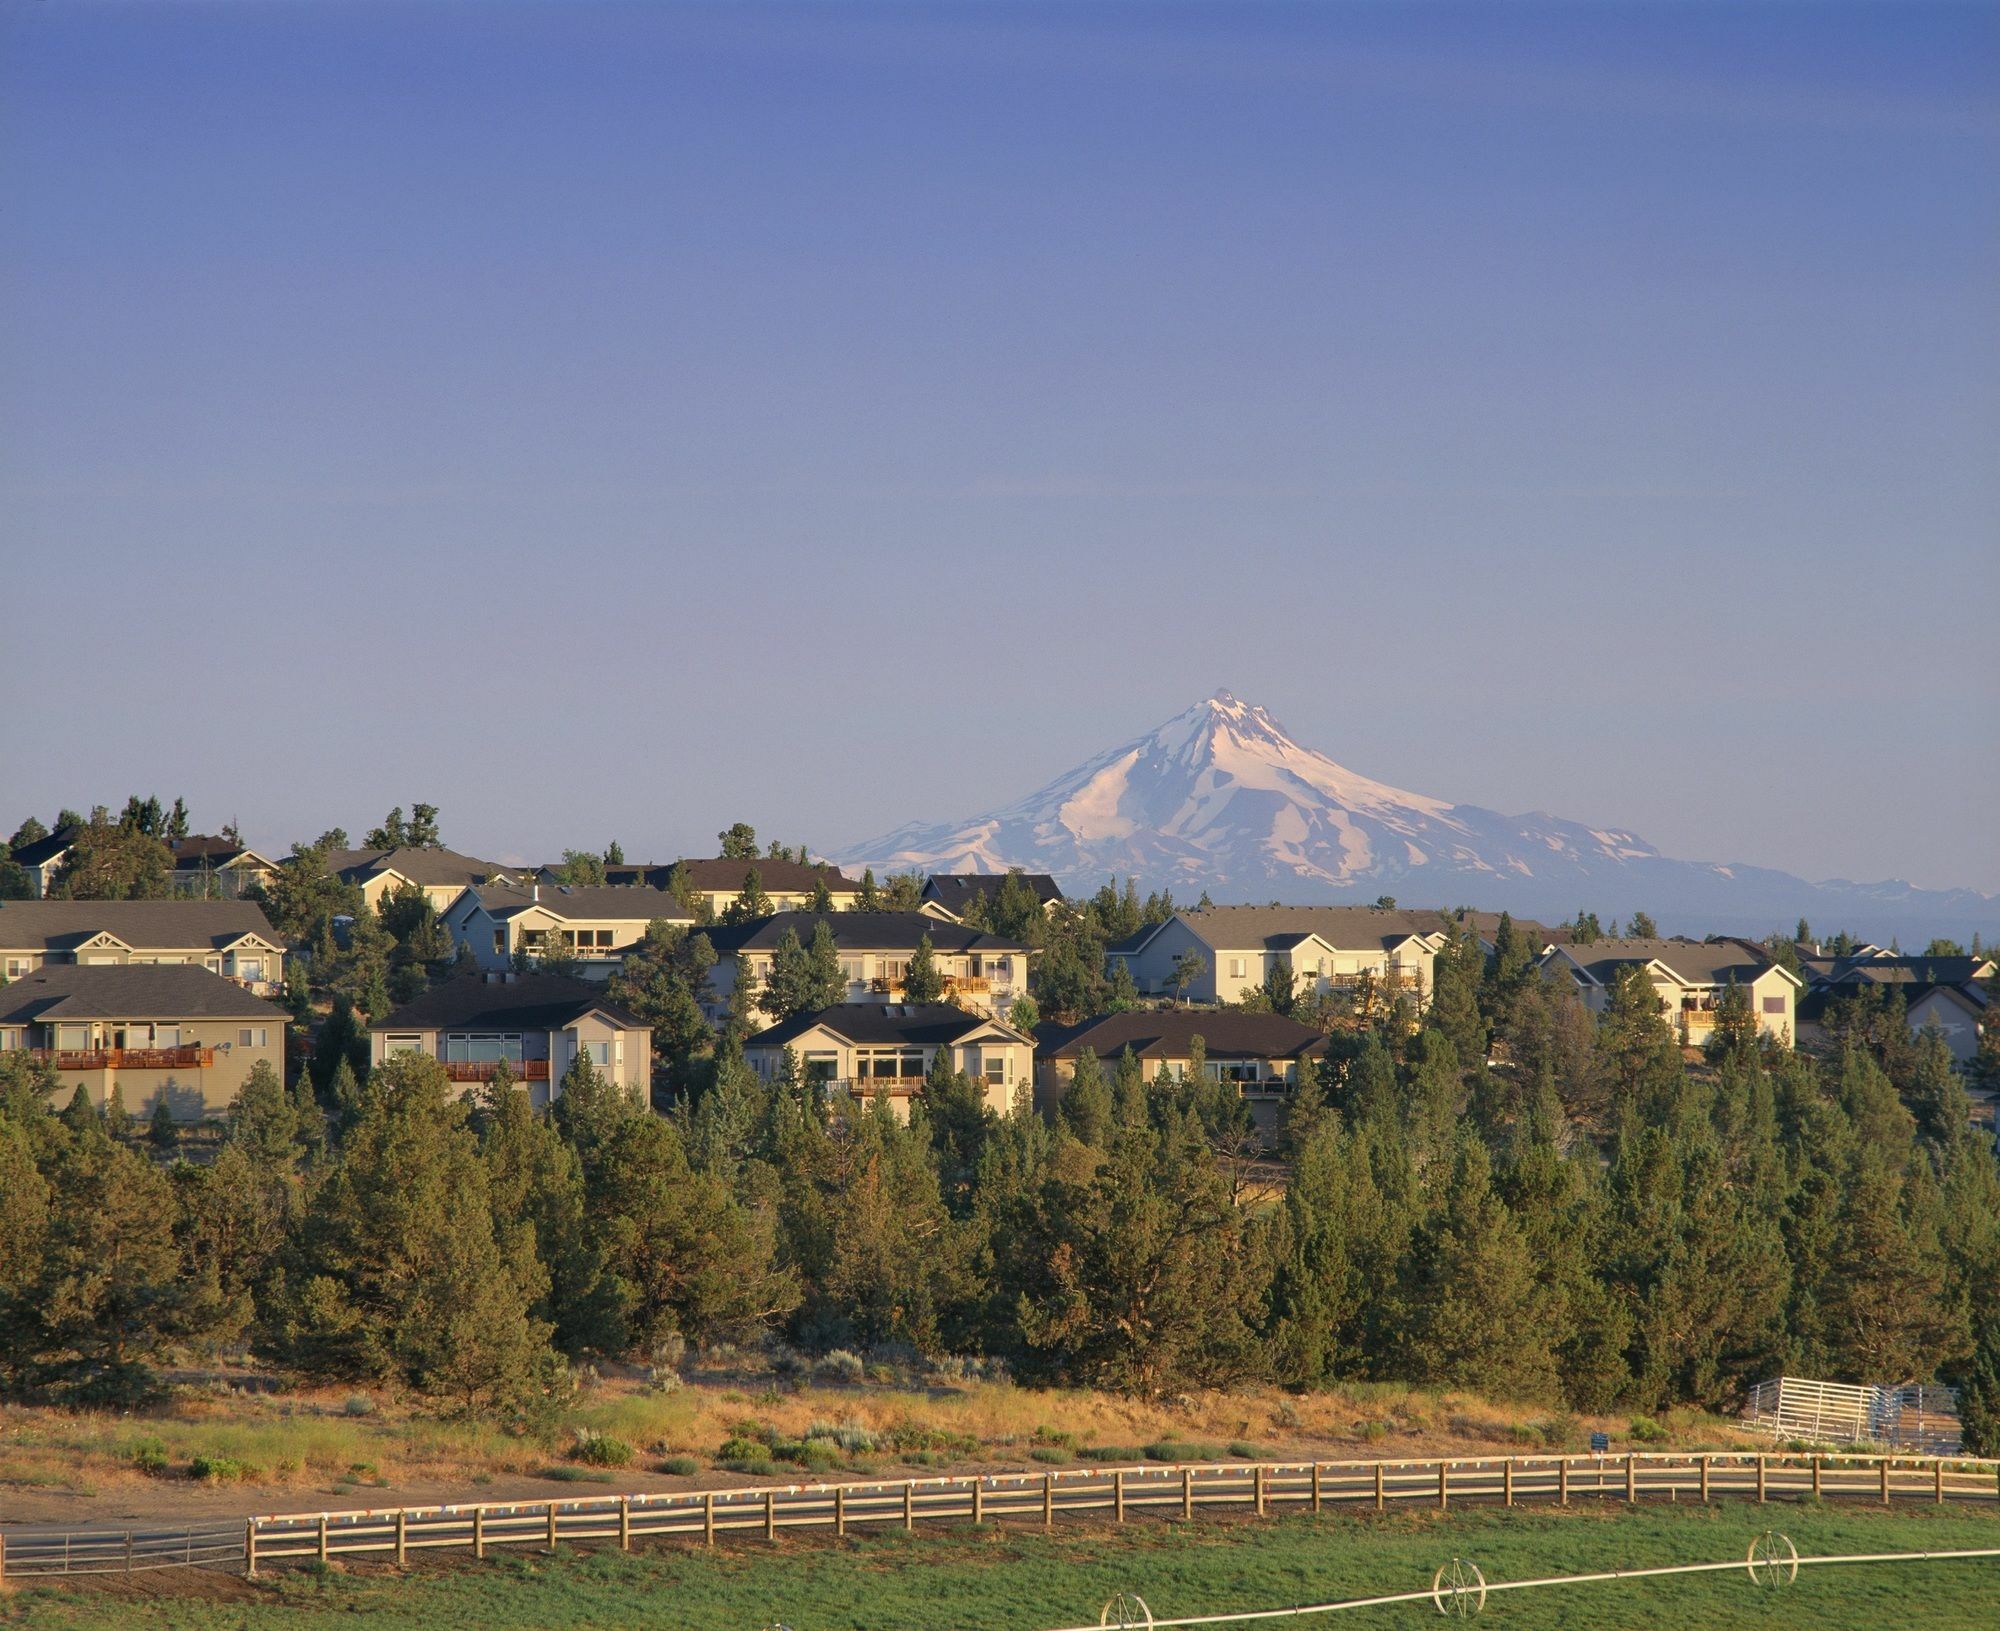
{"x": 352, "y": 1449}
{"x": 1023, "y": 1580}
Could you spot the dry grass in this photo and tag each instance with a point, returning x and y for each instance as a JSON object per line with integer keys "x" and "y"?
{"x": 341, "y": 1442}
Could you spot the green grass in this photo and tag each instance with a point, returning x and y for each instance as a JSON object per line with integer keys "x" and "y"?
{"x": 1023, "y": 1580}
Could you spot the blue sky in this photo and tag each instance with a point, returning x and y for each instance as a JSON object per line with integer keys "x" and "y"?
{"x": 620, "y": 420}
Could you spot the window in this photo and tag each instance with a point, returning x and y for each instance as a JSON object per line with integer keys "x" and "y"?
{"x": 604, "y": 939}
{"x": 500, "y": 942}
{"x": 17, "y": 966}
{"x": 258, "y": 1036}
{"x": 996, "y": 1069}
{"x": 1774, "y": 1005}
{"x": 250, "y": 968}
{"x": 482, "y": 1047}
{"x": 1236, "y": 968}
{"x": 600, "y": 1052}
{"x": 396, "y": 1044}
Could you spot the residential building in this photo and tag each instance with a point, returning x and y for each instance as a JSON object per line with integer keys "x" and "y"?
{"x": 983, "y": 973}
{"x": 443, "y": 875}
{"x": 1326, "y": 948}
{"x": 599, "y": 925}
{"x": 955, "y": 892}
{"x": 227, "y": 937}
{"x": 1691, "y": 977}
{"x": 217, "y": 868}
{"x": 1264, "y": 1054}
{"x": 158, "y": 1033}
{"x": 788, "y": 885}
{"x": 1948, "y": 993}
{"x": 43, "y": 859}
{"x": 537, "y": 1023}
{"x": 885, "y": 1049}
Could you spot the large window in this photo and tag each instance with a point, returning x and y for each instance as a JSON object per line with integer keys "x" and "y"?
{"x": 253, "y": 1036}
{"x": 482, "y": 1047}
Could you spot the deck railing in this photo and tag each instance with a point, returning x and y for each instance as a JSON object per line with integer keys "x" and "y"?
{"x": 189, "y": 1058}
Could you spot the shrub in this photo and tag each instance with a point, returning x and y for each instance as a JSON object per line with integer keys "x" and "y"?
{"x": 217, "y": 1469}
{"x": 1174, "y": 1449}
{"x": 742, "y": 1448}
{"x": 574, "y": 1475}
{"x": 1110, "y": 1452}
{"x": 840, "y": 1366}
{"x": 1373, "y": 1432}
{"x": 1054, "y": 1454}
{"x": 1049, "y": 1435}
{"x": 357, "y": 1404}
{"x": 1243, "y": 1450}
{"x": 760, "y": 1466}
{"x": 600, "y": 1449}
{"x": 1645, "y": 1430}
{"x": 149, "y": 1456}
{"x": 1525, "y": 1432}
{"x": 680, "y": 1466}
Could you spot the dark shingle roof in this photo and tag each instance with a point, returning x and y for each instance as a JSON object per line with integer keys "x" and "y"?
{"x": 519, "y": 1002}
{"x": 430, "y": 867}
{"x": 911, "y": 1024}
{"x": 955, "y": 891}
{"x": 129, "y": 991}
{"x": 1906, "y": 971}
{"x": 179, "y": 925}
{"x": 1233, "y": 928}
{"x": 47, "y": 849}
{"x": 794, "y": 877}
{"x": 857, "y": 931}
{"x": 1166, "y": 1033}
{"x": 1698, "y": 962}
{"x": 201, "y": 849}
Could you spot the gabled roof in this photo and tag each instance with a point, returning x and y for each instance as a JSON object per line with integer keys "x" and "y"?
{"x": 1883, "y": 969}
{"x": 955, "y": 891}
{"x": 200, "y": 850}
{"x": 858, "y": 931}
{"x": 75, "y": 991}
{"x": 1168, "y": 1033}
{"x": 1692, "y": 962}
{"x": 930, "y": 1024}
{"x": 44, "y": 850}
{"x": 576, "y": 905}
{"x": 510, "y": 1002}
{"x": 144, "y": 925}
{"x": 793, "y": 877}
{"x": 1278, "y": 928}
{"x": 429, "y": 868}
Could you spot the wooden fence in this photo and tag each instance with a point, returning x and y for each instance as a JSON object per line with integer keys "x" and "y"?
{"x": 1119, "y": 1494}
{"x": 1919, "y": 1419}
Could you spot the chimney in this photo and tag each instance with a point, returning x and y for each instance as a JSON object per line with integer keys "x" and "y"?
{"x": 535, "y": 890}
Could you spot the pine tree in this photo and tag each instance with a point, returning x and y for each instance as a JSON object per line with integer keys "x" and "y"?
{"x": 751, "y": 902}
{"x": 788, "y": 988}
{"x": 922, "y": 982}
{"x": 1085, "y": 1107}
{"x": 739, "y": 842}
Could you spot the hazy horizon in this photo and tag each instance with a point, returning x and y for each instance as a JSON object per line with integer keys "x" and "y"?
{"x": 613, "y": 422}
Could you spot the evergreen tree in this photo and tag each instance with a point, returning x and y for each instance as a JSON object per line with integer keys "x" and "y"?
{"x": 1085, "y": 1107}
{"x": 922, "y": 982}
{"x": 739, "y": 842}
{"x": 751, "y": 902}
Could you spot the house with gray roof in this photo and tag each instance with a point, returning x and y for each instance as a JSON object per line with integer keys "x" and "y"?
{"x": 211, "y": 868}
{"x": 232, "y": 938}
{"x": 596, "y": 924}
{"x": 442, "y": 874}
{"x": 158, "y": 1033}
{"x": 1952, "y": 995}
{"x": 885, "y": 1049}
{"x": 983, "y": 972}
{"x": 1366, "y": 949}
{"x": 955, "y": 892}
{"x": 42, "y": 858}
{"x": 1691, "y": 978}
{"x": 717, "y": 881}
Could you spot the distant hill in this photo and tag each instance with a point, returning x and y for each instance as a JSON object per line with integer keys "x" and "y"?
{"x": 1221, "y": 799}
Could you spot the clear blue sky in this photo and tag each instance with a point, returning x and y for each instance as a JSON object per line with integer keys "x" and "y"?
{"x": 620, "y": 420}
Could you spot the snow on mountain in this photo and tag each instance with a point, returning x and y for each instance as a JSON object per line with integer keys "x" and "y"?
{"x": 1221, "y": 799}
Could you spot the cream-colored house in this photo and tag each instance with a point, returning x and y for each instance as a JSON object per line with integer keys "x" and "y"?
{"x": 1326, "y": 948}
{"x": 1691, "y": 977}
{"x": 443, "y": 875}
{"x": 156, "y": 1032}
{"x": 716, "y": 883}
{"x": 884, "y": 1050}
{"x": 955, "y": 892}
{"x": 983, "y": 973}
{"x": 1948, "y": 994}
{"x": 598, "y": 925}
{"x": 42, "y": 859}
{"x": 218, "y": 868}
{"x": 227, "y": 937}
{"x": 537, "y": 1023}
{"x": 1265, "y": 1055}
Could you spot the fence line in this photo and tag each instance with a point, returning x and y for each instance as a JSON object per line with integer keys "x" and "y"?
{"x": 1918, "y": 1417}
{"x": 1119, "y": 1493}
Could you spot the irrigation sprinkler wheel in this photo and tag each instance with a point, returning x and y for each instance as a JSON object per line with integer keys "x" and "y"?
{"x": 1459, "y": 1588}
{"x": 1127, "y": 1612}
{"x": 1772, "y": 1561}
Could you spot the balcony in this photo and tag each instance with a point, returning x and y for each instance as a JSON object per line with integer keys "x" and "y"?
{"x": 484, "y": 1070}
{"x": 978, "y": 984}
{"x": 190, "y": 1058}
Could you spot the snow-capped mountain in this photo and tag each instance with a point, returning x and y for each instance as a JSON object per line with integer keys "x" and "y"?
{"x": 1221, "y": 799}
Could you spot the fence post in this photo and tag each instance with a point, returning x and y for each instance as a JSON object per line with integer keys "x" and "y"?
{"x": 1704, "y": 1480}
{"x": 249, "y": 1548}
{"x": 770, "y": 1514}
{"x": 1118, "y": 1495}
{"x": 1258, "y": 1486}
{"x": 128, "y": 1551}
{"x": 708, "y": 1517}
{"x": 840, "y": 1509}
{"x": 1380, "y": 1497}
{"x": 402, "y": 1536}
{"x": 323, "y": 1551}
{"x": 1316, "y": 1503}
{"x": 552, "y": 1528}
{"x": 1631, "y": 1480}
{"x": 1885, "y": 1480}
{"x": 1187, "y": 1492}
{"x": 479, "y": 1531}
{"x": 1562, "y": 1482}
{"x": 1507, "y": 1482}
{"x": 1815, "y": 1486}
{"x": 1760, "y": 1480}
{"x": 624, "y": 1524}
{"x": 909, "y": 1507}
{"x": 1048, "y": 1500}
{"x": 978, "y": 1500}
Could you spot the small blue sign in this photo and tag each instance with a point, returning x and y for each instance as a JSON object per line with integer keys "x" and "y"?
{"x": 1599, "y": 1443}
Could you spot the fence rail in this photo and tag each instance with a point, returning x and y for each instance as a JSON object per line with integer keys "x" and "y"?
{"x": 1118, "y": 1493}
{"x": 1920, "y": 1418}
